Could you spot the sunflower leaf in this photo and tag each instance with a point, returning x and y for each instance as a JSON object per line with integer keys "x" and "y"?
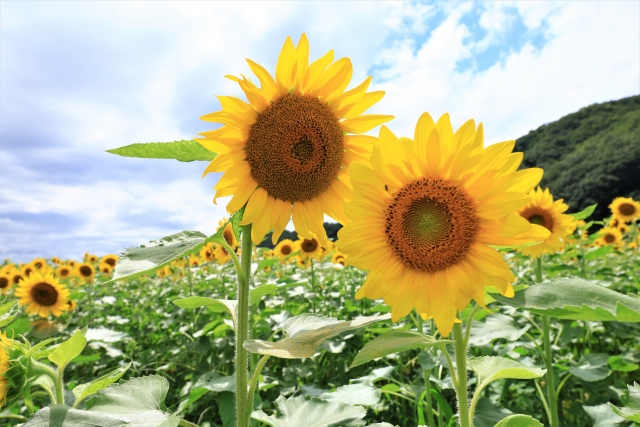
{"x": 491, "y": 368}
{"x": 298, "y": 411}
{"x": 183, "y": 151}
{"x": 575, "y": 299}
{"x": 255, "y": 295}
{"x": 394, "y": 341}
{"x": 212, "y": 304}
{"x": 519, "y": 420}
{"x": 584, "y": 213}
{"x": 68, "y": 350}
{"x": 8, "y": 312}
{"x": 82, "y": 391}
{"x": 631, "y": 401}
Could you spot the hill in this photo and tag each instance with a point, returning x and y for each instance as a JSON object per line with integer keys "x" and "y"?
{"x": 590, "y": 156}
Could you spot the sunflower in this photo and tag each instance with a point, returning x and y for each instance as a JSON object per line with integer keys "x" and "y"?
{"x": 106, "y": 269}
{"x": 27, "y": 269}
{"x": 42, "y": 294}
{"x": 110, "y": 259}
{"x": 55, "y": 260}
{"x": 85, "y": 271}
{"x": 5, "y": 282}
{"x": 338, "y": 258}
{"x": 15, "y": 276}
{"x": 425, "y": 212}
{"x": 39, "y": 264}
{"x": 164, "y": 272}
{"x": 609, "y": 236}
{"x": 71, "y": 305}
{"x": 207, "y": 253}
{"x": 5, "y": 344}
{"x": 625, "y": 208}
{"x": 285, "y": 248}
{"x": 286, "y": 152}
{"x": 309, "y": 247}
{"x": 72, "y": 263}
{"x": 543, "y": 210}
{"x": 194, "y": 261}
{"x": 302, "y": 261}
{"x": 64, "y": 271}
{"x": 221, "y": 254}
{"x": 228, "y": 234}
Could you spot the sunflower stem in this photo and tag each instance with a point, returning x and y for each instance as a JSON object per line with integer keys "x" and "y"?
{"x": 254, "y": 383}
{"x": 313, "y": 285}
{"x": 244, "y": 275}
{"x": 461, "y": 368}
{"x": 548, "y": 358}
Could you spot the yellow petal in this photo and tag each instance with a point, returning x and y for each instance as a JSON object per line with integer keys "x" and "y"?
{"x": 255, "y": 205}
{"x": 364, "y": 123}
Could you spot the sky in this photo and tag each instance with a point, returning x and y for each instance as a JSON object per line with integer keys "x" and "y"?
{"x": 78, "y": 78}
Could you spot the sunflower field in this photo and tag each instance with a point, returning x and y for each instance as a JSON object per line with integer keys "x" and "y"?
{"x": 457, "y": 293}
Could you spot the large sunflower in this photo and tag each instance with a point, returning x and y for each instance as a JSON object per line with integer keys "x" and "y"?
{"x": 425, "y": 212}
{"x": 625, "y": 208}
{"x": 42, "y": 294}
{"x": 286, "y": 152}
{"x": 544, "y": 211}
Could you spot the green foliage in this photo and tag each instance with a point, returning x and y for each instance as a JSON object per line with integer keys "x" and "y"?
{"x": 394, "y": 341}
{"x": 68, "y": 350}
{"x": 631, "y": 401}
{"x": 519, "y": 421}
{"x": 83, "y": 391}
{"x": 298, "y": 411}
{"x": 491, "y": 368}
{"x": 8, "y": 312}
{"x": 589, "y": 156}
{"x": 183, "y": 151}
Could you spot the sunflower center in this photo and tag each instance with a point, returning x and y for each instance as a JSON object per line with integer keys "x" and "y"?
{"x": 538, "y": 216}
{"x": 16, "y": 279}
{"x": 85, "y": 271}
{"x": 228, "y": 236}
{"x": 609, "y": 238}
{"x": 64, "y": 272}
{"x": 4, "y": 282}
{"x": 44, "y": 294}
{"x": 295, "y": 148}
{"x": 110, "y": 261}
{"x": 309, "y": 246}
{"x": 627, "y": 209}
{"x": 430, "y": 224}
{"x": 285, "y": 250}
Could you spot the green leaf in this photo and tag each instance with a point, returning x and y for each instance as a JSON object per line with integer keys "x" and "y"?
{"x": 305, "y": 333}
{"x": 183, "y": 151}
{"x": 156, "y": 254}
{"x": 297, "y": 411}
{"x": 592, "y": 367}
{"x": 519, "y": 420}
{"x": 495, "y": 326}
{"x": 585, "y": 213}
{"x": 255, "y": 295}
{"x": 597, "y": 253}
{"x": 617, "y": 363}
{"x": 575, "y": 299}
{"x": 68, "y": 350}
{"x": 227, "y": 409}
{"x": 267, "y": 263}
{"x": 354, "y": 394}
{"x": 83, "y": 391}
{"x": 212, "y": 304}
{"x": 490, "y": 368}
{"x": 194, "y": 395}
{"x": 602, "y": 415}
{"x": 631, "y": 401}
{"x": 235, "y": 223}
{"x": 8, "y": 312}
{"x": 394, "y": 341}
{"x": 487, "y": 414}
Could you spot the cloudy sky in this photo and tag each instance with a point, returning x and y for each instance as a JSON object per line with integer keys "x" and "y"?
{"x": 77, "y": 78}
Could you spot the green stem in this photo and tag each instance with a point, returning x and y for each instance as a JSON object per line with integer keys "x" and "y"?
{"x": 427, "y": 396}
{"x": 185, "y": 423}
{"x": 243, "y": 327}
{"x": 461, "y": 368}
{"x": 542, "y": 399}
{"x": 313, "y": 285}
{"x": 467, "y": 332}
{"x": 39, "y": 368}
{"x": 254, "y": 384}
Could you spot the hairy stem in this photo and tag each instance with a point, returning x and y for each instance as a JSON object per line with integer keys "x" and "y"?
{"x": 243, "y": 328}
{"x": 461, "y": 368}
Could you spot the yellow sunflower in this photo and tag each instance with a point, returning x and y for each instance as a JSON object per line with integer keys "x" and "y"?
{"x": 207, "y": 253}
{"x": 5, "y": 344}
{"x": 110, "y": 259}
{"x": 72, "y": 263}
{"x": 164, "y": 272}
{"x": 609, "y": 236}
{"x": 5, "y": 282}
{"x": 27, "y": 269}
{"x": 55, "y": 260}
{"x": 39, "y": 264}
{"x": 71, "y": 305}
{"x": 285, "y": 248}
{"x": 42, "y": 294}
{"x": 339, "y": 258}
{"x": 64, "y": 271}
{"x": 309, "y": 247}
{"x": 425, "y": 212}
{"x": 194, "y": 261}
{"x": 543, "y": 210}
{"x": 106, "y": 269}
{"x": 302, "y": 261}
{"x": 15, "y": 276}
{"x": 286, "y": 152}
{"x": 85, "y": 271}
{"x": 221, "y": 254}
{"x": 625, "y": 208}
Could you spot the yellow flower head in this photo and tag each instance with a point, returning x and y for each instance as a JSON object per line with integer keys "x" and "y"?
{"x": 309, "y": 247}
{"x": 625, "y": 208}
{"x": 609, "y": 236}
{"x": 194, "y": 261}
{"x": 106, "y": 269}
{"x": 286, "y": 152}
{"x": 339, "y": 258}
{"x": 39, "y": 264}
{"x": 5, "y": 344}
{"x": 64, "y": 271}
{"x": 285, "y": 248}
{"x": 164, "y": 272}
{"x": 55, "y": 260}
{"x": 221, "y": 254}
{"x": 42, "y": 294}
{"x": 543, "y": 210}
{"x": 207, "y": 253}
{"x": 425, "y": 212}
{"x": 5, "y": 282}
{"x": 110, "y": 260}
{"x": 85, "y": 271}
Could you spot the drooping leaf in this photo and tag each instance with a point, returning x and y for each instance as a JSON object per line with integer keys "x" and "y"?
{"x": 212, "y": 304}
{"x": 183, "y": 151}
{"x": 495, "y": 326}
{"x": 602, "y": 415}
{"x": 82, "y": 391}
{"x": 584, "y": 213}
{"x": 156, "y": 254}
{"x": 618, "y": 363}
{"x": 68, "y": 350}
{"x": 394, "y": 341}
{"x": 305, "y": 333}
{"x": 490, "y": 368}
{"x": 134, "y": 396}
{"x": 631, "y": 401}
{"x": 8, "y": 312}
{"x": 592, "y": 367}
{"x": 575, "y": 299}
{"x": 255, "y": 295}
{"x": 519, "y": 420}
{"x": 299, "y": 412}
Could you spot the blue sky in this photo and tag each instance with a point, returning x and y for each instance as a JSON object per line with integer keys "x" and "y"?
{"x": 77, "y": 78}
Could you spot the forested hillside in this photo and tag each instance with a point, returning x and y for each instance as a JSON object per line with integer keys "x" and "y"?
{"x": 590, "y": 155}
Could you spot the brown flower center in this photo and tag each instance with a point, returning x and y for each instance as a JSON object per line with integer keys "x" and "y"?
{"x": 44, "y": 294}
{"x": 431, "y": 223}
{"x": 309, "y": 245}
{"x": 539, "y": 216}
{"x": 295, "y": 148}
{"x": 16, "y": 279}
{"x": 64, "y": 272}
{"x": 110, "y": 261}
{"x": 609, "y": 238}
{"x": 4, "y": 282}
{"x": 85, "y": 271}
{"x": 286, "y": 250}
{"x": 228, "y": 236}
{"x": 38, "y": 265}
{"x": 627, "y": 209}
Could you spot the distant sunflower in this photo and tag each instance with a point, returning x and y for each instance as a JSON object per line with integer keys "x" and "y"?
{"x": 207, "y": 253}
{"x": 42, "y": 294}
{"x": 85, "y": 271}
{"x": 39, "y": 263}
{"x": 110, "y": 259}
{"x": 5, "y": 345}
{"x": 285, "y": 248}
{"x": 309, "y": 247}
{"x": 64, "y": 271}
{"x": 27, "y": 269}
{"x": 71, "y": 305}
{"x": 610, "y": 236}
{"x": 72, "y": 263}
{"x": 5, "y": 282}
{"x": 302, "y": 261}
{"x": 543, "y": 210}
{"x": 194, "y": 261}
{"x": 106, "y": 269}
{"x": 221, "y": 254}
{"x": 15, "y": 276}
{"x": 164, "y": 272}
{"x": 625, "y": 208}
{"x": 55, "y": 260}
{"x": 423, "y": 216}
{"x": 286, "y": 152}
{"x": 228, "y": 234}
{"x": 338, "y": 258}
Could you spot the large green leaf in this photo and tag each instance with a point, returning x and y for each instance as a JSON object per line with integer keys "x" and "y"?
{"x": 184, "y": 151}
{"x": 575, "y": 299}
{"x": 631, "y": 401}
{"x": 592, "y": 367}
{"x": 491, "y": 368}
{"x": 255, "y": 295}
{"x": 394, "y": 341}
{"x": 618, "y": 363}
{"x": 495, "y": 326}
{"x": 305, "y": 333}
{"x": 585, "y": 213}
{"x": 519, "y": 420}
{"x": 82, "y": 391}
{"x": 8, "y": 312}
{"x": 212, "y": 304}
{"x": 487, "y": 414}
{"x": 68, "y": 350}
{"x": 300, "y": 412}
{"x": 602, "y": 415}
{"x": 354, "y": 394}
